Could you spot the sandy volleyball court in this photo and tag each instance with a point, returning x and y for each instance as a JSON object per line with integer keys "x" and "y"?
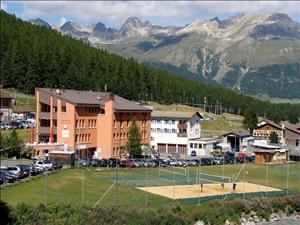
{"x": 194, "y": 191}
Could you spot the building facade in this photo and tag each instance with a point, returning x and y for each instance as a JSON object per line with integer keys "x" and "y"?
{"x": 171, "y": 130}
{"x": 94, "y": 124}
{"x": 292, "y": 140}
{"x": 6, "y": 102}
{"x": 265, "y": 128}
{"x": 238, "y": 140}
{"x": 202, "y": 146}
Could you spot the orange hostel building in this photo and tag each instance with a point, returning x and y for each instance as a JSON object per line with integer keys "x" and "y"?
{"x": 91, "y": 123}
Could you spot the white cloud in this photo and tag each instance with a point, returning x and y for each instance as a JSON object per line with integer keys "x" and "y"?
{"x": 117, "y": 11}
{"x": 61, "y": 21}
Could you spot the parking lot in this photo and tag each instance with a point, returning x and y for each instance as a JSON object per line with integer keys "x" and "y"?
{"x": 13, "y": 171}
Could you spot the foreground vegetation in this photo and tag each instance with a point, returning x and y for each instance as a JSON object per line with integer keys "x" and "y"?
{"x": 214, "y": 213}
{"x": 33, "y": 56}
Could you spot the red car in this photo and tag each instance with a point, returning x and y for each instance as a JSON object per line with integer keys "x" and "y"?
{"x": 242, "y": 155}
{"x": 127, "y": 163}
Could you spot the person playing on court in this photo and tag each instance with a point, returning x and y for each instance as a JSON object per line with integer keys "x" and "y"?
{"x": 222, "y": 185}
{"x": 234, "y": 186}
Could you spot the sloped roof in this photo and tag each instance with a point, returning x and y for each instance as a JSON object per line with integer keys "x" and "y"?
{"x": 77, "y": 97}
{"x": 174, "y": 114}
{"x": 238, "y": 133}
{"x": 273, "y": 124}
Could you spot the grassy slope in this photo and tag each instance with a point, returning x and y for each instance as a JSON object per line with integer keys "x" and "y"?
{"x": 22, "y": 99}
{"x": 23, "y": 134}
{"x": 221, "y": 124}
{"x": 66, "y": 186}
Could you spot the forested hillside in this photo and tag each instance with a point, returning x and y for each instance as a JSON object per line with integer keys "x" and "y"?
{"x": 34, "y": 56}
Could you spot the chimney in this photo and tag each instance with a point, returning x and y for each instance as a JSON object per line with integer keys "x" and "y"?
{"x": 109, "y": 97}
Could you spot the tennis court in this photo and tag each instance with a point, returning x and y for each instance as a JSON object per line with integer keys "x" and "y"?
{"x": 208, "y": 189}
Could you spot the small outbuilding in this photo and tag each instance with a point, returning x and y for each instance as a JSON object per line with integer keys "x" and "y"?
{"x": 238, "y": 140}
{"x": 266, "y": 153}
{"x": 62, "y": 157}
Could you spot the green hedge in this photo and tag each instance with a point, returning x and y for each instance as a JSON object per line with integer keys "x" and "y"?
{"x": 213, "y": 212}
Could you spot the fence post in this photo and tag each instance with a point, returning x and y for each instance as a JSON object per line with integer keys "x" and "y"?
{"x": 287, "y": 174}
{"x": 82, "y": 187}
{"x": 46, "y": 189}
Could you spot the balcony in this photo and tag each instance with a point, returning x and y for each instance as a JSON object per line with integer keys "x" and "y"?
{"x": 46, "y": 130}
{"x": 182, "y": 126}
{"x": 46, "y": 115}
{"x": 181, "y": 134}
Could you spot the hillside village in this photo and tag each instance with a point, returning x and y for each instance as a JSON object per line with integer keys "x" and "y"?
{"x": 95, "y": 125}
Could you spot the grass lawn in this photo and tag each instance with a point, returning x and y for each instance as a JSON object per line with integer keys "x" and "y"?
{"x": 23, "y": 134}
{"x": 68, "y": 185}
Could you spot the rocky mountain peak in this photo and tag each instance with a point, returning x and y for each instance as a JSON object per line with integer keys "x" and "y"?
{"x": 40, "y": 22}
{"x": 100, "y": 27}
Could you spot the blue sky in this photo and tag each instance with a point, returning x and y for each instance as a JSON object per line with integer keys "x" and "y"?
{"x": 114, "y": 13}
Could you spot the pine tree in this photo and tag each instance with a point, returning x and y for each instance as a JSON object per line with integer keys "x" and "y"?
{"x": 13, "y": 144}
{"x": 250, "y": 119}
{"x": 274, "y": 138}
{"x": 134, "y": 140}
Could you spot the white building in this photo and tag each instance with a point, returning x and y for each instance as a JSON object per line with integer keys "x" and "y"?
{"x": 171, "y": 130}
{"x": 202, "y": 146}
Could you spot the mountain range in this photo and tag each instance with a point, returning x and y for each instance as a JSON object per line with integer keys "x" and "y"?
{"x": 250, "y": 53}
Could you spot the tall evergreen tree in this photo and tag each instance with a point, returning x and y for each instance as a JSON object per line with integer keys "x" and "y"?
{"x": 274, "y": 139}
{"x": 134, "y": 140}
{"x": 250, "y": 119}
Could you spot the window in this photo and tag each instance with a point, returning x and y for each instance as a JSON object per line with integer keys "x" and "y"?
{"x": 152, "y": 138}
{"x": 153, "y": 130}
{"x": 158, "y": 130}
{"x": 173, "y": 122}
{"x": 55, "y": 123}
{"x": 153, "y": 121}
{"x": 64, "y": 109}
{"x": 197, "y": 131}
{"x": 54, "y": 108}
{"x": 166, "y": 122}
{"x": 166, "y": 130}
{"x": 115, "y": 124}
{"x": 191, "y": 145}
{"x": 195, "y": 145}
{"x": 200, "y": 145}
{"x": 158, "y": 121}
{"x": 297, "y": 143}
{"x": 173, "y": 130}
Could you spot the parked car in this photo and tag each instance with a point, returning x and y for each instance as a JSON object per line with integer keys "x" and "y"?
{"x": 44, "y": 164}
{"x": 193, "y": 153}
{"x": 18, "y": 171}
{"x": 1, "y": 180}
{"x": 127, "y": 163}
{"x": 243, "y": 157}
{"x": 113, "y": 162}
{"x": 57, "y": 166}
{"x": 8, "y": 177}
